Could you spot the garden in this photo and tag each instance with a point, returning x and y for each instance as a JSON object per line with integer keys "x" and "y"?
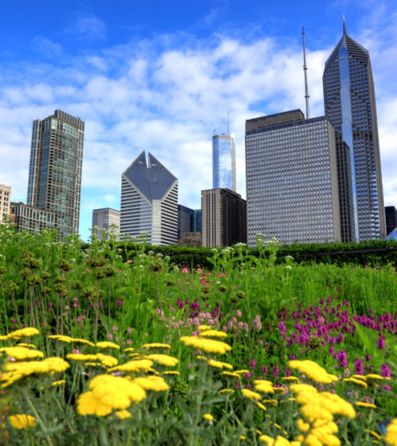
{"x": 112, "y": 344}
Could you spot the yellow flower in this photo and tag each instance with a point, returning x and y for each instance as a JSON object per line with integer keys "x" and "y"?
{"x": 60, "y": 382}
{"x": 157, "y": 345}
{"x": 171, "y": 372}
{"x": 243, "y": 437}
{"x": 24, "y": 344}
{"x": 204, "y": 327}
{"x": 213, "y": 334}
{"x": 359, "y": 382}
{"x": 69, "y": 340}
{"x": 365, "y": 404}
{"x": 208, "y": 417}
{"x": 302, "y": 426}
{"x": 313, "y": 371}
{"x": 107, "y": 344}
{"x": 279, "y": 389}
{"x": 109, "y": 393}
{"x": 105, "y": 360}
{"x": 262, "y": 385}
{"x": 22, "y": 353}
{"x": 391, "y": 433}
{"x": 165, "y": 360}
{"x": 23, "y": 333}
{"x": 129, "y": 349}
{"x": 272, "y": 402}
{"x": 139, "y": 365}
{"x": 22, "y": 421}
{"x": 219, "y": 364}
{"x": 207, "y": 345}
{"x": 362, "y": 377}
{"x": 154, "y": 383}
{"x": 123, "y": 414}
{"x": 376, "y": 377}
{"x": 231, "y": 374}
{"x": 226, "y": 391}
{"x": 241, "y": 372}
{"x": 261, "y": 406}
{"x": 374, "y": 434}
{"x": 253, "y": 396}
{"x": 278, "y": 441}
{"x": 290, "y": 378}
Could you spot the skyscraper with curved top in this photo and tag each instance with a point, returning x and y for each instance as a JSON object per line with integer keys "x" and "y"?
{"x": 224, "y": 161}
{"x": 349, "y": 99}
{"x": 149, "y": 202}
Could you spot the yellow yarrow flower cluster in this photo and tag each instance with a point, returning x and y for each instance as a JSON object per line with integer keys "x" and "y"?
{"x": 358, "y": 382}
{"x": 153, "y": 383}
{"x": 391, "y": 433}
{"x": 15, "y": 371}
{"x": 22, "y": 421}
{"x": 70, "y": 340}
{"x": 207, "y": 345}
{"x": 157, "y": 345}
{"x": 21, "y": 333}
{"x": 278, "y": 441}
{"x": 93, "y": 359}
{"x": 213, "y": 334}
{"x": 22, "y": 353}
{"x": 108, "y": 393}
{"x": 318, "y": 410}
{"x": 264, "y": 386}
{"x": 168, "y": 361}
{"x": 253, "y": 396}
{"x": 313, "y": 371}
{"x": 139, "y": 365}
{"x": 107, "y": 344}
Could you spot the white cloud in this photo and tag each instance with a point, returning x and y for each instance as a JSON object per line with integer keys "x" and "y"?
{"x": 89, "y": 27}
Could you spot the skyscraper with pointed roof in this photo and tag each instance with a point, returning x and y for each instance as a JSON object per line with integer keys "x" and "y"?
{"x": 349, "y": 98}
{"x": 149, "y": 202}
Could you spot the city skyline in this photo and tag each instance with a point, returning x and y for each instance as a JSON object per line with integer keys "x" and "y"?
{"x": 128, "y": 85}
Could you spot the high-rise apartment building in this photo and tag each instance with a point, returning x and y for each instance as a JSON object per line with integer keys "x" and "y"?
{"x": 224, "y": 161}
{"x": 105, "y": 222}
{"x": 149, "y": 202}
{"x": 223, "y": 218}
{"x": 292, "y": 181}
{"x": 349, "y": 98}
{"x": 55, "y": 169}
{"x": 5, "y": 202}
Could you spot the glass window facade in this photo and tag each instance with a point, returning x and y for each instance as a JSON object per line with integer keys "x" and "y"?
{"x": 224, "y": 161}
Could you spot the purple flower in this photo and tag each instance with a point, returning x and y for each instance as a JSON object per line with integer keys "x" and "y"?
{"x": 381, "y": 344}
{"x": 119, "y": 302}
{"x": 358, "y": 367}
{"x": 385, "y": 371}
{"x": 282, "y": 327}
{"x": 252, "y": 364}
{"x": 341, "y": 357}
{"x": 275, "y": 370}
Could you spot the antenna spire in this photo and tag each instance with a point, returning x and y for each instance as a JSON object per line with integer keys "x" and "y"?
{"x": 305, "y": 73}
{"x": 344, "y": 25}
{"x": 228, "y": 122}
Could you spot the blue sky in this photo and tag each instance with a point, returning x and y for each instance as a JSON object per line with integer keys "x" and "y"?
{"x": 161, "y": 75}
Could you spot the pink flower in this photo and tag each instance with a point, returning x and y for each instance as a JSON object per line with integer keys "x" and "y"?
{"x": 184, "y": 269}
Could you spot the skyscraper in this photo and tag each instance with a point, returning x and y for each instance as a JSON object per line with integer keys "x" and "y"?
{"x": 224, "y": 220}
{"x": 149, "y": 202}
{"x": 105, "y": 222}
{"x": 292, "y": 183}
{"x": 349, "y": 98}
{"x": 224, "y": 161}
{"x": 55, "y": 169}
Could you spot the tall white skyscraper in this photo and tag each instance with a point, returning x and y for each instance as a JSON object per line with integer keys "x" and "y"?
{"x": 292, "y": 179}
{"x": 224, "y": 161}
{"x": 149, "y": 202}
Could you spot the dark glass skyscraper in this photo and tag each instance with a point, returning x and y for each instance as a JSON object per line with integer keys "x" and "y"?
{"x": 55, "y": 169}
{"x": 349, "y": 98}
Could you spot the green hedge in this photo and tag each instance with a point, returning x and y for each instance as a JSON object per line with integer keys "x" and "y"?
{"x": 371, "y": 253}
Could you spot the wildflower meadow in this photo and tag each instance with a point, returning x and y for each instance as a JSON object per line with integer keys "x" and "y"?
{"x": 102, "y": 346}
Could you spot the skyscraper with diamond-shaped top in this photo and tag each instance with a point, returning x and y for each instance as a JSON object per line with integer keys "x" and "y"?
{"x": 349, "y": 98}
{"x": 149, "y": 202}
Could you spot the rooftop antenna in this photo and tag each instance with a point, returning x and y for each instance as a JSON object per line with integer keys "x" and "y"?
{"x": 305, "y": 72}
{"x": 344, "y": 25}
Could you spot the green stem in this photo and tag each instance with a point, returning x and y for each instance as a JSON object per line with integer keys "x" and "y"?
{"x": 38, "y": 418}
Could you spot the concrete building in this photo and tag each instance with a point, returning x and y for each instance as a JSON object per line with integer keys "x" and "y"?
{"x": 223, "y": 218}
{"x": 5, "y": 202}
{"x": 149, "y": 202}
{"x": 31, "y": 219}
{"x": 55, "y": 169}
{"x": 105, "y": 223}
{"x": 391, "y": 218}
{"x": 292, "y": 180}
{"x": 224, "y": 161}
{"x": 349, "y": 99}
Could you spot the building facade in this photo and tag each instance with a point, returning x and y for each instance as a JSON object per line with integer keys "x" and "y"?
{"x": 292, "y": 182}
{"x": 224, "y": 161}
{"x": 105, "y": 223}
{"x": 149, "y": 202}
{"x": 349, "y": 99}
{"x": 5, "y": 202}
{"x": 391, "y": 218}
{"x": 31, "y": 219}
{"x": 55, "y": 169}
{"x": 223, "y": 218}
{"x": 185, "y": 220}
